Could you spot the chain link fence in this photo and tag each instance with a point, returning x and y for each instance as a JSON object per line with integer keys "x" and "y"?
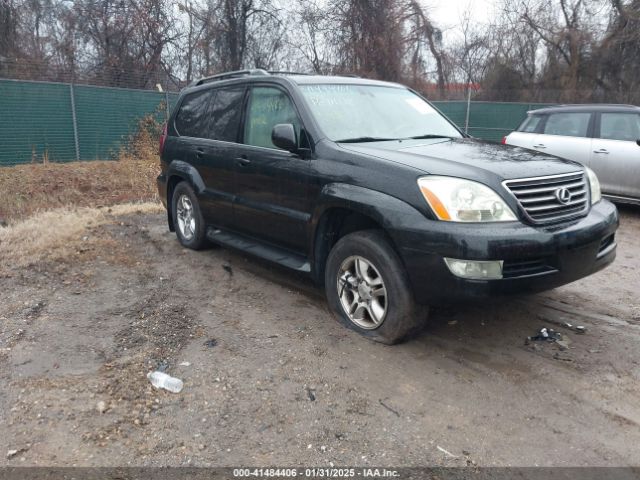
{"x": 63, "y": 122}
{"x": 487, "y": 120}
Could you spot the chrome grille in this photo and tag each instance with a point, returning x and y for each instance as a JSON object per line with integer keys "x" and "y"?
{"x": 542, "y": 198}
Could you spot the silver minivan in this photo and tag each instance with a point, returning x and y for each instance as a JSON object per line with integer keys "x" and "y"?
{"x": 605, "y": 138}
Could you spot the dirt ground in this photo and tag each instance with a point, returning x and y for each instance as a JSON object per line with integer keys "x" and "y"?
{"x": 273, "y": 379}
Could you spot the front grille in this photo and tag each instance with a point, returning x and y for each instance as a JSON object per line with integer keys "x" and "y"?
{"x": 539, "y": 200}
{"x": 523, "y": 268}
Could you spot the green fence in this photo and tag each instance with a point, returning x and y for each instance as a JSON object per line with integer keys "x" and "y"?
{"x": 60, "y": 122}
{"x": 487, "y": 120}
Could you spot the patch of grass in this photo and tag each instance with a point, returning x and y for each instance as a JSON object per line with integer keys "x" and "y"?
{"x": 56, "y": 234}
{"x": 27, "y": 189}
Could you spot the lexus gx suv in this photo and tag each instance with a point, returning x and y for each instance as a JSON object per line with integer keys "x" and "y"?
{"x": 367, "y": 188}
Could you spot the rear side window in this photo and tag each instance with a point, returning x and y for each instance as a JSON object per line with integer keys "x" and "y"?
{"x": 620, "y": 126}
{"x": 530, "y": 124}
{"x": 268, "y": 107}
{"x": 568, "y": 124}
{"x": 191, "y": 119}
{"x": 226, "y": 114}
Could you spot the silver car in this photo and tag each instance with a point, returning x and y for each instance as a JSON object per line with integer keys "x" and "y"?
{"x": 606, "y": 138}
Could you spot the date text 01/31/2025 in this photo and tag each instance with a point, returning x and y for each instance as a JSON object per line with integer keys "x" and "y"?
{"x": 316, "y": 472}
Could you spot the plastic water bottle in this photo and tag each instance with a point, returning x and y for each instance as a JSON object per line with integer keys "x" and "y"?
{"x": 162, "y": 380}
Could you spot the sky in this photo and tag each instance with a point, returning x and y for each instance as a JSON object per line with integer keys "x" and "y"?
{"x": 446, "y": 14}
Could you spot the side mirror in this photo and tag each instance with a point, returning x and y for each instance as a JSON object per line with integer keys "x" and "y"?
{"x": 283, "y": 136}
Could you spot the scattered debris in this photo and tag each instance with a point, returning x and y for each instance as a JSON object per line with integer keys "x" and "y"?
{"x": 452, "y": 322}
{"x": 13, "y": 452}
{"x": 576, "y": 328}
{"x": 3, "y": 223}
{"x": 212, "y": 342}
{"x": 446, "y": 452}
{"x": 397, "y": 414}
{"x": 544, "y": 335}
{"x": 101, "y": 406}
{"x": 227, "y": 268}
{"x": 185, "y": 364}
{"x": 167, "y": 382}
{"x": 311, "y": 394}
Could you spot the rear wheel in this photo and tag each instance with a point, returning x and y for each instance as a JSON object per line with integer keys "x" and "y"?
{"x": 187, "y": 217}
{"x": 368, "y": 289}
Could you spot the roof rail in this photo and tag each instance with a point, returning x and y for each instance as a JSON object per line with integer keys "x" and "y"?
{"x": 229, "y": 75}
{"x": 596, "y": 105}
{"x": 286, "y": 72}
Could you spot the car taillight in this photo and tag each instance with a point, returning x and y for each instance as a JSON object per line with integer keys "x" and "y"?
{"x": 504, "y": 141}
{"x": 163, "y": 137}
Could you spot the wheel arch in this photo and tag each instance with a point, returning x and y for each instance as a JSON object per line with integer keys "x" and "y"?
{"x": 180, "y": 171}
{"x": 344, "y": 209}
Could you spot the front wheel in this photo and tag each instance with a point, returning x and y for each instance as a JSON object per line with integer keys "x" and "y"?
{"x": 368, "y": 289}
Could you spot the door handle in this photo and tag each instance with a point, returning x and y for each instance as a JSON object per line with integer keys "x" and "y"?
{"x": 540, "y": 145}
{"x": 243, "y": 161}
{"x": 199, "y": 153}
{"x": 602, "y": 150}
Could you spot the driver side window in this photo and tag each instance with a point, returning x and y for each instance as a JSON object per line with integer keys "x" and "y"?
{"x": 268, "y": 106}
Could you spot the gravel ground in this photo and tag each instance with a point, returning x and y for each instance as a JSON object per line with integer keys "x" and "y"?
{"x": 270, "y": 378}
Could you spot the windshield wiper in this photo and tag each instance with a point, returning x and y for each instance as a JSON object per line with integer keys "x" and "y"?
{"x": 364, "y": 139}
{"x": 428, "y": 135}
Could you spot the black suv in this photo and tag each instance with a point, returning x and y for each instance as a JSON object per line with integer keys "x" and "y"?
{"x": 366, "y": 187}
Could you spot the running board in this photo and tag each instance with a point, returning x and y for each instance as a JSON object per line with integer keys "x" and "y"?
{"x": 259, "y": 249}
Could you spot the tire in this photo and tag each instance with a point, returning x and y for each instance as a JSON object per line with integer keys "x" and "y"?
{"x": 389, "y": 315}
{"x": 187, "y": 218}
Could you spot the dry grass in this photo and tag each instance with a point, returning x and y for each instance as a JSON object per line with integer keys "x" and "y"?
{"x": 56, "y": 234}
{"x": 50, "y": 207}
{"x": 27, "y": 189}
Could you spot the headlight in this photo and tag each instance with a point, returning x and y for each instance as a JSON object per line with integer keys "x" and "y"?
{"x": 458, "y": 200}
{"x": 596, "y": 194}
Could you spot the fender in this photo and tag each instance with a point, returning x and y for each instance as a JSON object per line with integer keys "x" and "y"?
{"x": 187, "y": 172}
{"x": 390, "y": 212}
{"x": 393, "y": 214}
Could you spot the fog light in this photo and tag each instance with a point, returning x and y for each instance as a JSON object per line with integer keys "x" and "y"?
{"x": 478, "y": 270}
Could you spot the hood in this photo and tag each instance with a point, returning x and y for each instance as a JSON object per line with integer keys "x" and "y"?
{"x": 466, "y": 158}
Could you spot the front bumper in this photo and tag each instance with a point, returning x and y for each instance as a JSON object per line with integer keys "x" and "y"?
{"x": 536, "y": 258}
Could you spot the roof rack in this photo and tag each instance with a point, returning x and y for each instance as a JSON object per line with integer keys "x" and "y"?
{"x": 229, "y": 75}
{"x": 595, "y": 105}
{"x": 257, "y": 72}
{"x": 285, "y": 72}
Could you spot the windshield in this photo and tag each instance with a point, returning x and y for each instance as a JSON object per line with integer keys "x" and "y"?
{"x": 371, "y": 113}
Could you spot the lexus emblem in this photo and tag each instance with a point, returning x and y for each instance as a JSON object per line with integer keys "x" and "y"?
{"x": 563, "y": 195}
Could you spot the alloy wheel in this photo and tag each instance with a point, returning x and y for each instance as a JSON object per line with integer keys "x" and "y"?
{"x": 185, "y": 216}
{"x": 362, "y": 292}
